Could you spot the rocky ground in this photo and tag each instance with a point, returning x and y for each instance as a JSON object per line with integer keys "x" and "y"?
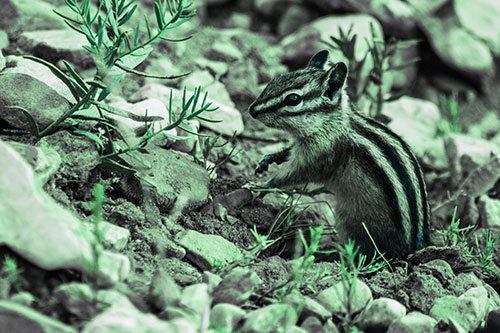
{"x": 168, "y": 237}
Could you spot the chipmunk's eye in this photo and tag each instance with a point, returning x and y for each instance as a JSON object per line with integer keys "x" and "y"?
{"x": 292, "y": 99}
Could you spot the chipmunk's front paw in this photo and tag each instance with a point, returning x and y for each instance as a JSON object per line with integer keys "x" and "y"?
{"x": 263, "y": 164}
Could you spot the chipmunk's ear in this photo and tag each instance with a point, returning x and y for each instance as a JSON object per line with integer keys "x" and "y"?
{"x": 319, "y": 59}
{"x": 335, "y": 79}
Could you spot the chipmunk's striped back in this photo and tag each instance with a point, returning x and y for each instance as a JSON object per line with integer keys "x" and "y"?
{"x": 371, "y": 170}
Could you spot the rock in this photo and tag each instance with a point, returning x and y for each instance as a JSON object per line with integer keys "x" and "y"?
{"x": 231, "y": 119}
{"x": 23, "y": 298}
{"x": 236, "y": 287}
{"x": 308, "y": 306}
{"x": 470, "y": 152}
{"x": 163, "y": 291}
{"x": 225, "y": 316}
{"x": 44, "y": 95}
{"x": 242, "y": 83}
{"x": 207, "y": 251}
{"x": 112, "y": 235}
{"x": 151, "y": 107}
{"x": 4, "y": 43}
{"x": 334, "y": 299}
{"x": 161, "y": 67}
{"x": 234, "y": 200}
{"x": 457, "y": 48}
{"x": 79, "y": 157}
{"x": 196, "y": 298}
{"x": 2, "y": 60}
{"x": 216, "y": 68}
{"x": 493, "y": 322}
{"x": 312, "y": 324}
{"x": 306, "y": 41}
{"x": 427, "y": 7}
{"x": 416, "y": 121}
{"x": 44, "y": 160}
{"x": 480, "y": 19}
{"x": 16, "y": 318}
{"x": 466, "y": 311}
{"x": 271, "y": 8}
{"x": 42, "y": 231}
{"x": 223, "y": 51}
{"x": 414, "y": 322}
{"x": 380, "y": 313}
{"x": 182, "y": 272}
{"x": 77, "y": 299}
{"x": 125, "y": 317}
{"x": 489, "y": 210}
{"x": 295, "y": 16}
{"x": 270, "y": 318}
{"x": 211, "y": 279}
{"x": 54, "y": 45}
{"x": 18, "y": 14}
{"x": 169, "y": 180}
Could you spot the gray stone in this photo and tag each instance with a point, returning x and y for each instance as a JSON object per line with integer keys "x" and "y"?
{"x": 112, "y": 235}
{"x": 224, "y": 51}
{"x": 306, "y": 41}
{"x": 236, "y": 287}
{"x": 42, "y": 231}
{"x": 57, "y": 44}
{"x": 124, "y": 317}
{"x": 230, "y": 117}
{"x": 4, "y": 41}
{"x": 380, "y": 313}
{"x": 77, "y": 299}
{"x": 271, "y": 318}
{"x": 225, "y": 316}
{"x": 457, "y": 48}
{"x": 480, "y": 18}
{"x": 2, "y": 60}
{"x": 414, "y": 322}
{"x": 466, "y": 311}
{"x": 196, "y": 298}
{"x": 16, "y": 318}
{"x": 416, "y": 121}
{"x": 293, "y": 18}
{"x": 307, "y": 305}
{"x": 43, "y": 94}
{"x": 44, "y": 160}
{"x": 335, "y": 298}
{"x": 489, "y": 210}
{"x": 17, "y": 14}
{"x": 163, "y": 291}
{"x": 206, "y": 251}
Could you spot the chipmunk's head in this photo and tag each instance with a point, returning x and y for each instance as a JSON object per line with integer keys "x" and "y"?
{"x": 298, "y": 101}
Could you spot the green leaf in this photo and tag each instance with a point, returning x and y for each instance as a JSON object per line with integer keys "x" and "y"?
{"x": 33, "y": 126}
{"x": 208, "y": 119}
{"x": 75, "y": 75}
{"x": 124, "y": 19}
{"x": 93, "y": 137}
{"x": 115, "y": 166}
{"x": 135, "y": 58}
{"x": 175, "y": 137}
{"x": 66, "y": 18}
{"x": 126, "y": 114}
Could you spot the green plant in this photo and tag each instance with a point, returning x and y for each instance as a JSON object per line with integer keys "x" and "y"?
{"x": 117, "y": 50}
{"x": 97, "y": 244}
{"x": 208, "y": 144}
{"x": 455, "y": 235}
{"x": 380, "y": 52}
{"x": 9, "y": 277}
{"x": 451, "y": 111}
{"x": 484, "y": 258}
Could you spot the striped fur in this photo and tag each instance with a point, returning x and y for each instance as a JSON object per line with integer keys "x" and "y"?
{"x": 372, "y": 172}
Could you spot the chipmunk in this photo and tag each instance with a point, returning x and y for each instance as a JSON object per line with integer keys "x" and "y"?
{"x": 372, "y": 172}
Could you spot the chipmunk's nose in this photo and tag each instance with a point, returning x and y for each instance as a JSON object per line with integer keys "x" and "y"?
{"x": 252, "y": 110}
